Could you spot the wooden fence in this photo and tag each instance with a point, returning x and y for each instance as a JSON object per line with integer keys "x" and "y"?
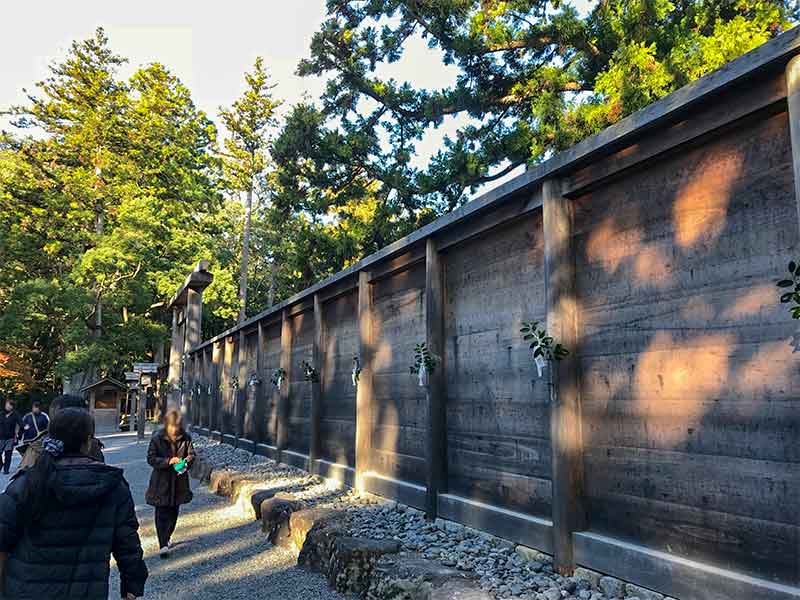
{"x": 668, "y": 453}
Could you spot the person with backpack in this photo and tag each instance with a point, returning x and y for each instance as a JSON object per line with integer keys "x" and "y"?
{"x": 170, "y": 453}
{"x": 63, "y": 518}
{"x": 35, "y": 423}
{"x": 10, "y": 426}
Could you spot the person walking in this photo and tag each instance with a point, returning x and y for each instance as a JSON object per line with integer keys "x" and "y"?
{"x": 63, "y": 518}
{"x": 10, "y": 426}
{"x": 35, "y": 423}
{"x": 170, "y": 451}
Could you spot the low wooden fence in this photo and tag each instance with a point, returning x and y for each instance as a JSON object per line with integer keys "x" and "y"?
{"x": 668, "y": 453}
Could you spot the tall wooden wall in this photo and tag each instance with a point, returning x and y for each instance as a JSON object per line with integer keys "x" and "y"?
{"x": 666, "y": 448}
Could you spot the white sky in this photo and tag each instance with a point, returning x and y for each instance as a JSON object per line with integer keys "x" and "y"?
{"x": 209, "y": 45}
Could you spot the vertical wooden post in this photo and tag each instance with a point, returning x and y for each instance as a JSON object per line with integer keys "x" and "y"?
{"x": 569, "y": 514}
{"x": 227, "y": 396}
{"x": 285, "y": 391}
{"x": 260, "y": 413}
{"x": 175, "y": 356}
{"x": 215, "y": 399}
{"x": 241, "y": 391}
{"x": 793, "y": 101}
{"x": 434, "y": 335}
{"x": 364, "y": 390}
{"x": 316, "y": 386}
{"x": 206, "y": 383}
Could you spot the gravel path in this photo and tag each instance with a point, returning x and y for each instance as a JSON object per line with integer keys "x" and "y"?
{"x": 218, "y": 554}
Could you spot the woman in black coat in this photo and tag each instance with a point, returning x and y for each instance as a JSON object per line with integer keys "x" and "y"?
{"x": 168, "y": 489}
{"x": 61, "y": 520}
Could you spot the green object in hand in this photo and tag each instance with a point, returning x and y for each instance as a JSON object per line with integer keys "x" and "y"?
{"x": 181, "y": 467}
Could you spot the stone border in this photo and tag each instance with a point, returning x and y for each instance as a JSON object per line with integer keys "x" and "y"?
{"x": 355, "y": 558}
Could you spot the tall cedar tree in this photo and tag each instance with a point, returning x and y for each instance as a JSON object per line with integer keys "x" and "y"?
{"x": 246, "y": 152}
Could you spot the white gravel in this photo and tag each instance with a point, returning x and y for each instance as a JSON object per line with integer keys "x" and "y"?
{"x": 219, "y": 554}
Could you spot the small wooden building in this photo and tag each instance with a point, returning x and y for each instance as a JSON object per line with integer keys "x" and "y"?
{"x": 107, "y": 398}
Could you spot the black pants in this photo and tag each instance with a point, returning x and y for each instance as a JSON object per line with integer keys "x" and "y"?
{"x": 5, "y": 460}
{"x": 166, "y": 518}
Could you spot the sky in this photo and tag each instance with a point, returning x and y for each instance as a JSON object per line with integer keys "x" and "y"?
{"x": 209, "y": 45}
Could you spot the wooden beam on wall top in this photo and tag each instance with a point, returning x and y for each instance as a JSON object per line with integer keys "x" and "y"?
{"x": 569, "y": 514}
{"x": 364, "y": 389}
{"x": 793, "y": 102}
{"x": 434, "y": 335}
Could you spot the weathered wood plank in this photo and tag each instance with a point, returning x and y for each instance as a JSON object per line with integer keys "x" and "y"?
{"x": 498, "y": 411}
{"x": 437, "y": 399}
{"x": 793, "y": 104}
{"x": 338, "y": 417}
{"x": 569, "y": 513}
{"x": 673, "y": 575}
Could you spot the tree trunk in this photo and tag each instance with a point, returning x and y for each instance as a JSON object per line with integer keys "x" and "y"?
{"x": 248, "y": 209}
{"x": 273, "y": 273}
{"x": 99, "y": 224}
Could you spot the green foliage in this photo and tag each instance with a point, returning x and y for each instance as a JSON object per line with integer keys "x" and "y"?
{"x": 533, "y": 77}
{"x": 422, "y": 360}
{"x": 309, "y": 372}
{"x": 790, "y": 290}
{"x": 542, "y": 344}
{"x": 108, "y": 196}
{"x": 278, "y": 377}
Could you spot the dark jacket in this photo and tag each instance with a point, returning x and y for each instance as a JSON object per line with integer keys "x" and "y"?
{"x": 66, "y": 553}
{"x": 9, "y": 422}
{"x": 34, "y": 425}
{"x": 167, "y": 488}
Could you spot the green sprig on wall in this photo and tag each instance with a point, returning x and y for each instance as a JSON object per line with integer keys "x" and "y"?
{"x": 791, "y": 290}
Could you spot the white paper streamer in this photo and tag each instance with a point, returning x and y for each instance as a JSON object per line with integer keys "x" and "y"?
{"x": 540, "y": 364}
{"x": 423, "y": 375}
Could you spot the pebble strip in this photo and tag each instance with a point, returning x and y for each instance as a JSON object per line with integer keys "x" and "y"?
{"x": 508, "y": 571}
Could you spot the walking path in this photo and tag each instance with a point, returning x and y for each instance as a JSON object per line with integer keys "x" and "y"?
{"x": 218, "y": 555}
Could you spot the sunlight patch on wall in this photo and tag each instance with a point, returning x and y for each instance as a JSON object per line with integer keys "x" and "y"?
{"x": 700, "y": 210}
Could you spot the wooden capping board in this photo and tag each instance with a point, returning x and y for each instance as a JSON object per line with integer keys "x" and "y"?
{"x": 671, "y": 107}
{"x": 338, "y": 288}
{"x": 749, "y": 100}
{"x": 437, "y": 400}
{"x": 335, "y": 471}
{"x": 246, "y": 444}
{"x": 267, "y": 450}
{"x": 672, "y": 575}
{"x": 295, "y": 459}
{"x": 402, "y": 262}
{"x": 568, "y": 513}
{"x": 534, "y": 532}
{"x": 364, "y": 390}
{"x": 316, "y": 386}
{"x": 286, "y": 365}
{"x": 401, "y": 491}
{"x": 793, "y": 103}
